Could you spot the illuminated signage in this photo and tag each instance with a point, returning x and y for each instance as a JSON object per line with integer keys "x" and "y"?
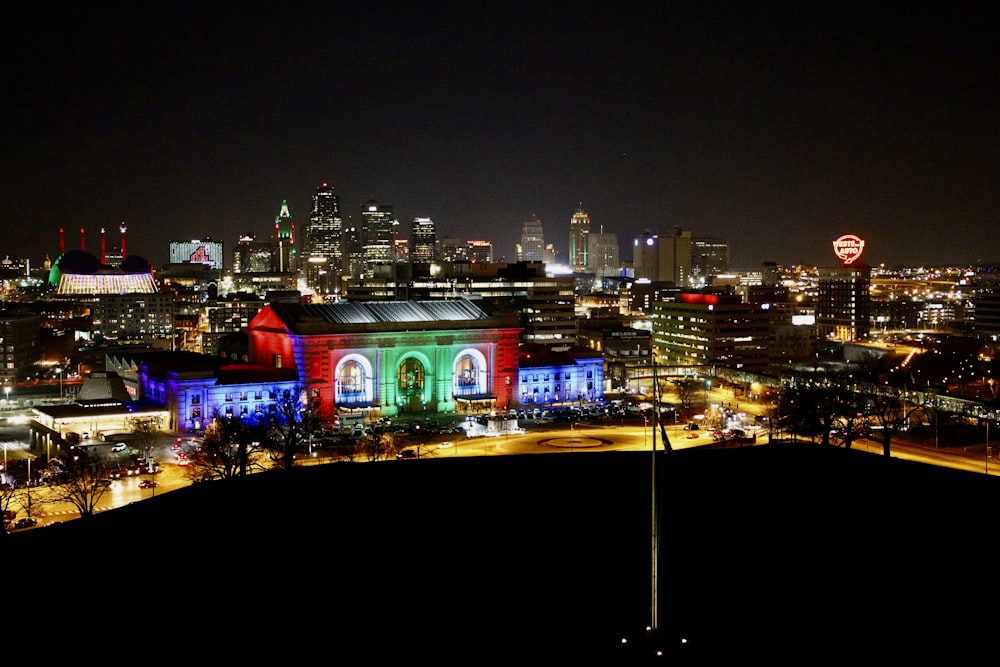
{"x": 848, "y": 248}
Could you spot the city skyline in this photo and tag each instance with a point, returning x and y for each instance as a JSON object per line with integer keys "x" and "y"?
{"x": 778, "y": 131}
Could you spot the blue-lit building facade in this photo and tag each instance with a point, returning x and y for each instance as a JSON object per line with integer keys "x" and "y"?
{"x": 549, "y": 376}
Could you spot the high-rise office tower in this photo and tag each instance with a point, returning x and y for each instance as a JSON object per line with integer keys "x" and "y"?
{"x": 843, "y": 302}
{"x": 354, "y": 253}
{"x": 663, "y": 257}
{"x": 602, "y": 254}
{"x": 532, "y": 246}
{"x": 251, "y": 255}
{"x": 378, "y": 234}
{"x": 579, "y": 229}
{"x": 480, "y": 250}
{"x": 709, "y": 258}
{"x": 283, "y": 241}
{"x": 452, "y": 249}
{"x": 324, "y": 237}
{"x": 423, "y": 240}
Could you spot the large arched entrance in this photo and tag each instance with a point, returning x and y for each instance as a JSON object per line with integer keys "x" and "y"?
{"x": 410, "y": 381}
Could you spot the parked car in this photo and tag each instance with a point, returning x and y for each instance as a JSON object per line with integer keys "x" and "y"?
{"x": 119, "y": 447}
{"x": 26, "y": 522}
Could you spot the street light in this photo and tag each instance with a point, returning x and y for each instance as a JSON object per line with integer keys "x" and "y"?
{"x": 6, "y": 402}
{"x": 59, "y": 373}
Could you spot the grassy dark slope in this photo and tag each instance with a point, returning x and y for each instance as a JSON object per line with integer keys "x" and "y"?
{"x": 785, "y": 553}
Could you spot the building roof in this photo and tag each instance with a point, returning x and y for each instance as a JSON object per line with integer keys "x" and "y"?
{"x": 352, "y": 316}
{"x": 184, "y": 365}
{"x": 103, "y": 387}
{"x": 536, "y": 355}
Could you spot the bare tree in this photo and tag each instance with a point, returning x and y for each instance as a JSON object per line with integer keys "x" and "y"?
{"x": 232, "y": 447}
{"x": 7, "y": 496}
{"x": 379, "y": 446}
{"x": 852, "y": 419}
{"x": 889, "y": 411}
{"x": 144, "y": 435}
{"x": 291, "y": 424}
{"x": 686, "y": 389}
{"x": 82, "y": 483}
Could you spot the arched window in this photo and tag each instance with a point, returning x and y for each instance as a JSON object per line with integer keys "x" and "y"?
{"x": 351, "y": 381}
{"x": 411, "y": 375}
{"x": 467, "y": 378}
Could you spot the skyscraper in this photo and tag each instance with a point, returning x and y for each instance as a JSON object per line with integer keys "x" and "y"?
{"x": 579, "y": 228}
{"x": 843, "y": 302}
{"x": 602, "y": 254}
{"x": 378, "y": 233}
{"x": 324, "y": 249}
{"x": 423, "y": 240}
{"x": 532, "y": 246}
{"x": 709, "y": 258}
{"x": 663, "y": 257}
{"x": 283, "y": 241}
{"x": 251, "y": 255}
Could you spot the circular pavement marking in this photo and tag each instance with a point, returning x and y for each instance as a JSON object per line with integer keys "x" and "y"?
{"x": 575, "y": 442}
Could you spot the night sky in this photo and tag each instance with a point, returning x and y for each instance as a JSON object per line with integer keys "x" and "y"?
{"x": 779, "y": 126}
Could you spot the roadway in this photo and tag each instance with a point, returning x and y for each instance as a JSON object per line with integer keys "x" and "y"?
{"x": 538, "y": 438}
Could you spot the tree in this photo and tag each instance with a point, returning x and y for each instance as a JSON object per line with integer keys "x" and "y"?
{"x": 889, "y": 411}
{"x": 686, "y": 391}
{"x": 378, "y": 446}
{"x": 82, "y": 483}
{"x": 852, "y": 418}
{"x": 294, "y": 419}
{"x": 144, "y": 436}
{"x": 232, "y": 447}
{"x": 135, "y": 264}
{"x": 6, "y": 498}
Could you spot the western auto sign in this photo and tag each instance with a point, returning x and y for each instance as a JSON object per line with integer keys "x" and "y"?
{"x": 848, "y": 248}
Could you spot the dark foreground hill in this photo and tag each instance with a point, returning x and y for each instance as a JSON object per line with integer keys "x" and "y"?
{"x": 772, "y": 554}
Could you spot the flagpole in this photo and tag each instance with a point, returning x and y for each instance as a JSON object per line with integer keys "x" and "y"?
{"x": 654, "y": 611}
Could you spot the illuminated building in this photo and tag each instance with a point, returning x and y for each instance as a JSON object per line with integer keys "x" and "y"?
{"x": 479, "y": 251}
{"x": 579, "y": 228}
{"x": 228, "y": 315}
{"x": 197, "y": 388}
{"x": 843, "y": 294}
{"x": 547, "y": 376}
{"x": 251, "y": 255}
{"x": 664, "y": 257}
{"x": 709, "y": 258}
{"x": 283, "y": 249}
{"x": 452, "y": 249}
{"x": 197, "y": 252}
{"x": 377, "y": 235}
{"x": 843, "y": 302}
{"x": 86, "y": 284}
{"x": 396, "y": 357}
{"x": 602, "y": 254}
{"x": 698, "y": 329}
{"x": 545, "y": 305}
{"x": 134, "y": 316}
{"x": 324, "y": 236}
{"x": 423, "y": 240}
{"x": 532, "y": 246}
{"x": 20, "y": 342}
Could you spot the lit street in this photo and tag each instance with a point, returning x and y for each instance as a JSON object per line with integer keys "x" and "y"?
{"x": 541, "y": 438}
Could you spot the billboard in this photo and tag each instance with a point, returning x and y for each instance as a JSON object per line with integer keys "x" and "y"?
{"x": 197, "y": 252}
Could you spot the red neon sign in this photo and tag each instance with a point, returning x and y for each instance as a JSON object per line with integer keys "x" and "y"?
{"x": 848, "y": 248}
